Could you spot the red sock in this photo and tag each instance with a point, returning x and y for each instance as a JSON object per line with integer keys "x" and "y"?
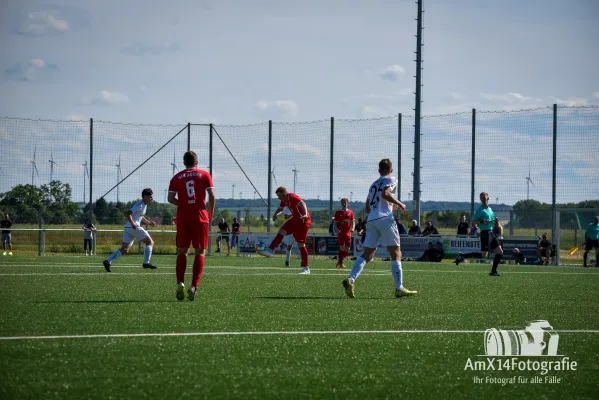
{"x": 198, "y": 268}
{"x": 304, "y": 254}
{"x": 276, "y": 241}
{"x": 342, "y": 255}
{"x": 181, "y": 267}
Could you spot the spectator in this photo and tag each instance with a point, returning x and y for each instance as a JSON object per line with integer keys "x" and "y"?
{"x": 414, "y": 229}
{"x": 401, "y": 228}
{"x": 544, "y": 250}
{"x": 235, "y": 232}
{"x": 430, "y": 229}
{"x": 463, "y": 226}
{"x": 519, "y": 256}
{"x": 361, "y": 229}
{"x": 333, "y": 228}
{"x": 497, "y": 228}
{"x": 6, "y": 224}
{"x": 474, "y": 231}
{"x": 430, "y": 254}
{"x": 88, "y": 235}
{"x": 440, "y": 251}
{"x": 224, "y": 230}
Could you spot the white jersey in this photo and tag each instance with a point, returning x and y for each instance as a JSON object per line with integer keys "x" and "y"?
{"x": 379, "y": 207}
{"x": 138, "y": 210}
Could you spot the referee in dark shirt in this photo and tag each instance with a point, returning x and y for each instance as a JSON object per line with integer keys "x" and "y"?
{"x": 6, "y": 224}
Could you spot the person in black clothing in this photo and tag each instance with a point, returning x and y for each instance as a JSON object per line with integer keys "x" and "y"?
{"x": 88, "y": 235}
{"x": 401, "y": 228}
{"x": 463, "y": 226}
{"x": 235, "y": 231}
{"x": 223, "y": 227}
{"x": 544, "y": 250}
{"x": 6, "y": 224}
{"x": 361, "y": 229}
{"x": 440, "y": 251}
{"x": 431, "y": 253}
{"x": 430, "y": 229}
{"x": 414, "y": 229}
{"x": 519, "y": 256}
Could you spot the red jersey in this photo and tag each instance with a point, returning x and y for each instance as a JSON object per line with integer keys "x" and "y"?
{"x": 344, "y": 219}
{"x": 190, "y": 186}
{"x": 293, "y": 205}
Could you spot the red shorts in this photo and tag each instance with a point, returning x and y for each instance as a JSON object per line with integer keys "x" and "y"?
{"x": 344, "y": 239}
{"x": 192, "y": 231}
{"x": 298, "y": 229}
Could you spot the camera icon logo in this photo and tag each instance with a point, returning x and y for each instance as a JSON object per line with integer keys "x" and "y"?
{"x": 536, "y": 339}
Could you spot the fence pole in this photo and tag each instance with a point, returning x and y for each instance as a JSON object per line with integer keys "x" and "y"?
{"x": 91, "y": 169}
{"x": 331, "y": 170}
{"x": 398, "y": 168}
{"x": 268, "y": 195}
{"x": 472, "y": 168}
{"x": 188, "y": 136}
{"x": 554, "y": 221}
{"x": 210, "y": 150}
{"x": 417, "y": 111}
{"x": 41, "y": 235}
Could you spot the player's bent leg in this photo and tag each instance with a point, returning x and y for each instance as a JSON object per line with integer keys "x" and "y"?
{"x": 148, "y": 253}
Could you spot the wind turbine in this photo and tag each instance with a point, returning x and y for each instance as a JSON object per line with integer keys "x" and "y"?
{"x": 233, "y": 192}
{"x": 34, "y": 167}
{"x": 528, "y": 183}
{"x": 175, "y": 169}
{"x": 351, "y": 196}
{"x": 85, "y": 173}
{"x": 165, "y": 198}
{"x": 295, "y": 171}
{"x": 118, "y": 178}
{"x": 52, "y": 164}
{"x": 274, "y": 177}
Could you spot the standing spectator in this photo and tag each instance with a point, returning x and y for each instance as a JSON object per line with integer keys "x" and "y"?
{"x": 187, "y": 191}
{"x": 223, "y": 228}
{"x": 497, "y": 228}
{"x": 463, "y": 226}
{"x": 361, "y": 229}
{"x": 298, "y": 226}
{"x": 474, "y": 231}
{"x": 430, "y": 229}
{"x": 544, "y": 250}
{"x": 235, "y": 231}
{"x": 591, "y": 237}
{"x": 345, "y": 225}
{"x": 333, "y": 228}
{"x": 88, "y": 235}
{"x": 6, "y": 224}
{"x": 414, "y": 229}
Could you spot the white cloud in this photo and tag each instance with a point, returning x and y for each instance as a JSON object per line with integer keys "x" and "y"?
{"x": 107, "y": 98}
{"x": 391, "y": 73}
{"x": 40, "y": 23}
{"x": 378, "y": 105}
{"x": 596, "y": 95}
{"x": 280, "y": 108}
{"x": 510, "y": 97}
{"x": 141, "y": 49}
{"x": 35, "y": 69}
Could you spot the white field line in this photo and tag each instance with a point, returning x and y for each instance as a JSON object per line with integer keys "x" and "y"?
{"x": 267, "y": 333}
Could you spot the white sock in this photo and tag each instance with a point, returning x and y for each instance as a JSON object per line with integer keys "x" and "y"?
{"x": 397, "y": 274}
{"x": 114, "y": 256}
{"x": 357, "y": 268}
{"x": 147, "y": 254}
{"x": 287, "y": 255}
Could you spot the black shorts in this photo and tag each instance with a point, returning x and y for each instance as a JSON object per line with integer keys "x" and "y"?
{"x": 591, "y": 244}
{"x": 494, "y": 244}
{"x": 484, "y": 240}
{"x": 224, "y": 237}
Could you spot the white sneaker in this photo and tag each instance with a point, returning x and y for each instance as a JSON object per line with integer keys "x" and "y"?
{"x": 267, "y": 252}
{"x": 304, "y": 271}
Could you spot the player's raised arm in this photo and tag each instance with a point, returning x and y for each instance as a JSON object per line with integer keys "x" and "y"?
{"x": 277, "y": 212}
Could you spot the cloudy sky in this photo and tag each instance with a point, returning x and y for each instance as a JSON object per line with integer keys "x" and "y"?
{"x": 245, "y": 62}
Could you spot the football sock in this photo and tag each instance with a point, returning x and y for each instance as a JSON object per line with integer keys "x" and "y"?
{"x": 584, "y": 259}
{"x": 181, "y": 266}
{"x": 304, "y": 254}
{"x": 147, "y": 254}
{"x": 496, "y": 260}
{"x": 114, "y": 256}
{"x": 276, "y": 242}
{"x": 357, "y": 268}
{"x": 198, "y": 268}
{"x": 287, "y": 255}
{"x": 397, "y": 274}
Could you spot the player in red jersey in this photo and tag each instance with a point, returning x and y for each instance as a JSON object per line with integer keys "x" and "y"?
{"x": 344, "y": 218}
{"x": 297, "y": 226}
{"x": 187, "y": 191}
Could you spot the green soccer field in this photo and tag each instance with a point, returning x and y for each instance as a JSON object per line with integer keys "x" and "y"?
{"x": 257, "y": 330}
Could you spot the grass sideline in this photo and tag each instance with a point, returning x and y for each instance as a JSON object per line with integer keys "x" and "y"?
{"x": 70, "y": 295}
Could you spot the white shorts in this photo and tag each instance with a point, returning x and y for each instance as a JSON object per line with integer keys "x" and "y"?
{"x": 130, "y": 234}
{"x": 381, "y": 231}
{"x": 288, "y": 240}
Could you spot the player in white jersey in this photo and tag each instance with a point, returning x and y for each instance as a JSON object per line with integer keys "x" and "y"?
{"x": 382, "y": 229}
{"x": 133, "y": 230}
{"x": 288, "y": 240}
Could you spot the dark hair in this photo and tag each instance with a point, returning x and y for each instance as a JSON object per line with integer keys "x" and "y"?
{"x": 385, "y": 164}
{"x": 146, "y": 192}
{"x": 190, "y": 159}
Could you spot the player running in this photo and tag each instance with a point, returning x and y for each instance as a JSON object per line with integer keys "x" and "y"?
{"x": 382, "y": 229}
{"x": 297, "y": 226}
{"x": 187, "y": 191}
{"x": 344, "y": 218}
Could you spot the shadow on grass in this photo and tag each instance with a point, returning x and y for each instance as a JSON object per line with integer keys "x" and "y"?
{"x": 103, "y": 301}
{"x": 310, "y": 298}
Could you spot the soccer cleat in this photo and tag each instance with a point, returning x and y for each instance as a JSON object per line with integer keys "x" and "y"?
{"x": 459, "y": 259}
{"x": 107, "y": 266}
{"x": 149, "y": 266}
{"x": 191, "y": 293}
{"x": 4, "y": 253}
{"x": 403, "y": 292}
{"x": 180, "y": 292}
{"x": 304, "y": 271}
{"x": 348, "y": 284}
{"x": 494, "y": 273}
{"x": 10, "y": 253}
{"x": 267, "y": 252}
